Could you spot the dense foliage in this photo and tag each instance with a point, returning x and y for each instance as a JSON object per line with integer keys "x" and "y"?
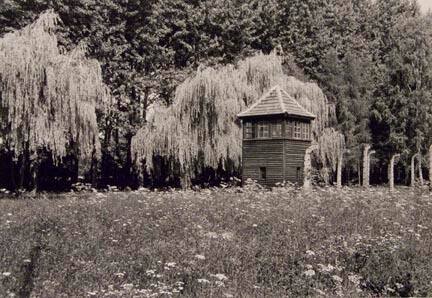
{"x": 371, "y": 58}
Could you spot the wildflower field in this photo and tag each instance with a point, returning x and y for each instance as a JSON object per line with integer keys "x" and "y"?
{"x": 232, "y": 242}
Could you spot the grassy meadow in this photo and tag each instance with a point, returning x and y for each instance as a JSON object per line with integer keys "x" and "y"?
{"x": 231, "y": 242}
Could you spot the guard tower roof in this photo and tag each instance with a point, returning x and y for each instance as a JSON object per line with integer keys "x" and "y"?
{"x": 276, "y": 102}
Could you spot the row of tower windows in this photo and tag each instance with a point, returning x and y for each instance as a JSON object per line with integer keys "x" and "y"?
{"x": 282, "y": 129}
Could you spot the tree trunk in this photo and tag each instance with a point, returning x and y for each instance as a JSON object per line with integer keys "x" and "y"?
{"x": 391, "y": 171}
{"x": 129, "y": 162}
{"x": 25, "y": 162}
{"x": 307, "y": 183}
{"x": 366, "y": 166}
{"x": 13, "y": 174}
{"x": 339, "y": 170}
{"x": 369, "y": 161}
{"x": 413, "y": 170}
{"x": 430, "y": 165}
{"x": 94, "y": 169}
{"x": 34, "y": 175}
{"x": 185, "y": 181}
{"x": 420, "y": 170}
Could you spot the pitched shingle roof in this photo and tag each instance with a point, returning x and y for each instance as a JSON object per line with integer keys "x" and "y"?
{"x": 276, "y": 102}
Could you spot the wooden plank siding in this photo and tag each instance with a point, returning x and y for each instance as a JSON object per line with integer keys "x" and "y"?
{"x": 294, "y": 155}
{"x": 280, "y": 157}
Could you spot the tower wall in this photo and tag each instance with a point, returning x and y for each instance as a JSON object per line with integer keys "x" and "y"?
{"x": 282, "y": 160}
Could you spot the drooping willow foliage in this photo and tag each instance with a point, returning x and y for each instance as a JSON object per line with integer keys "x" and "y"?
{"x": 48, "y": 99}
{"x": 201, "y": 128}
{"x": 331, "y": 146}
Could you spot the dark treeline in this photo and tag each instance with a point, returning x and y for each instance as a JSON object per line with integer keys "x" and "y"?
{"x": 373, "y": 60}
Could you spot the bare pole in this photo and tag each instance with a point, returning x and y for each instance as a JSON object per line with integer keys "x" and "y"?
{"x": 366, "y": 165}
{"x": 339, "y": 167}
{"x": 391, "y": 171}
{"x": 339, "y": 170}
{"x": 308, "y": 167}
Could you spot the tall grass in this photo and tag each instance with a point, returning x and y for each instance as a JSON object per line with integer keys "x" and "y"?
{"x": 218, "y": 242}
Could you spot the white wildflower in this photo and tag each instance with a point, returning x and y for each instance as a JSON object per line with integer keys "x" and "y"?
{"x": 388, "y": 289}
{"x": 127, "y": 287}
{"x": 355, "y": 279}
{"x": 6, "y": 273}
{"x": 220, "y": 276}
{"x": 200, "y": 257}
{"x": 329, "y": 268}
{"x": 219, "y": 283}
{"x": 309, "y": 273}
{"x": 310, "y": 253}
{"x": 150, "y": 272}
{"x": 212, "y": 235}
{"x": 227, "y": 236}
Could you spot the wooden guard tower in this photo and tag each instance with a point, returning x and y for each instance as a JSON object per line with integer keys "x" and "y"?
{"x": 276, "y": 133}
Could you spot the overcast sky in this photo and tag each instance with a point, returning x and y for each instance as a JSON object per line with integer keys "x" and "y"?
{"x": 425, "y": 4}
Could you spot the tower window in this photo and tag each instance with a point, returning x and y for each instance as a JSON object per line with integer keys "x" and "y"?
{"x": 263, "y": 173}
{"x": 305, "y": 131}
{"x": 276, "y": 130}
{"x": 297, "y": 130}
{"x": 248, "y": 130}
{"x": 263, "y": 130}
{"x": 289, "y": 129}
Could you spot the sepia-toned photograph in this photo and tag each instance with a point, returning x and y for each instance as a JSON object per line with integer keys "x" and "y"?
{"x": 215, "y": 148}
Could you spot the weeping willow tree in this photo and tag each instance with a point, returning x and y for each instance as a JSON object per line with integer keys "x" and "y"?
{"x": 48, "y": 99}
{"x": 200, "y": 129}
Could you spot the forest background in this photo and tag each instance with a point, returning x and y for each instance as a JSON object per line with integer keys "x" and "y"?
{"x": 372, "y": 59}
